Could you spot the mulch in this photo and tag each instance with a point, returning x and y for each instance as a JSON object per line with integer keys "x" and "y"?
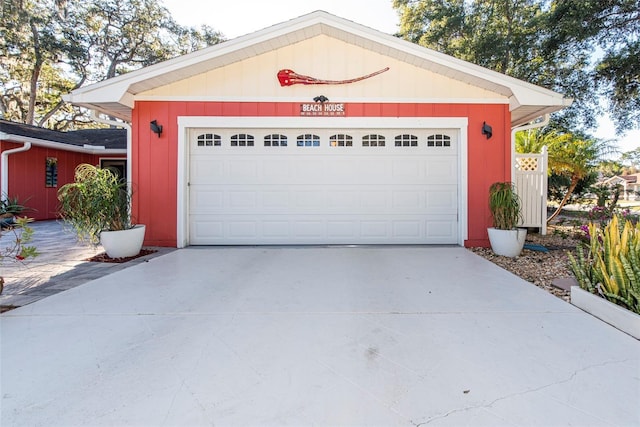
{"x": 103, "y": 257}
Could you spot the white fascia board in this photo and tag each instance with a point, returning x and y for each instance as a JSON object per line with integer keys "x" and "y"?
{"x": 345, "y": 100}
{"x": 108, "y": 91}
{"x": 59, "y": 145}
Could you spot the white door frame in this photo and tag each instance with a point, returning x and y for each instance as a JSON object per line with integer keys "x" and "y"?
{"x": 185, "y": 123}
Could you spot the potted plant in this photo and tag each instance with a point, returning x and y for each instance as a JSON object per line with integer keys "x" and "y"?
{"x": 505, "y": 238}
{"x": 97, "y": 205}
{"x": 10, "y": 207}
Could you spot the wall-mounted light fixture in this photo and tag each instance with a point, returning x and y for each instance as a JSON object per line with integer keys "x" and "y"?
{"x": 321, "y": 99}
{"x": 486, "y": 130}
{"x": 155, "y": 127}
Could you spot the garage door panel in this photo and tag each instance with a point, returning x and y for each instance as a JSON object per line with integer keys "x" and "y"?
{"x": 440, "y": 229}
{"x": 278, "y": 200}
{"x": 323, "y": 195}
{"x": 441, "y": 169}
{"x": 243, "y": 199}
{"x": 346, "y": 200}
{"x": 276, "y": 230}
{"x": 212, "y": 200}
{"x": 341, "y": 229}
{"x": 441, "y": 200}
{"x": 206, "y": 168}
{"x": 321, "y": 230}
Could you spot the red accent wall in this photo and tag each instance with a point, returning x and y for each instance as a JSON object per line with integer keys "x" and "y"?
{"x": 27, "y": 176}
{"x": 154, "y": 162}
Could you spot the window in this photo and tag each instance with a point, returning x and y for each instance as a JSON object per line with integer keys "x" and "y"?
{"x": 438, "y": 140}
{"x": 209, "y": 140}
{"x": 242, "y": 140}
{"x": 275, "y": 140}
{"x": 373, "y": 140}
{"x": 51, "y": 172}
{"x": 308, "y": 140}
{"x": 406, "y": 140}
{"x": 341, "y": 140}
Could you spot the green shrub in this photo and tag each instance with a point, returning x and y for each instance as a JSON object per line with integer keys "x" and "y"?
{"x": 97, "y": 200}
{"x": 609, "y": 265}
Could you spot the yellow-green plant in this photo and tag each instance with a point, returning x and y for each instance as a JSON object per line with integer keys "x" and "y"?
{"x": 611, "y": 266}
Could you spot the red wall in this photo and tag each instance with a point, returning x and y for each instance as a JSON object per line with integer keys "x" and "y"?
{"x": 154, "y": 167}
{"x": 27, "y": 176}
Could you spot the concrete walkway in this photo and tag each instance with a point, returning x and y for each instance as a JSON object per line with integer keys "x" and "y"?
{"x": 379, "y": 336}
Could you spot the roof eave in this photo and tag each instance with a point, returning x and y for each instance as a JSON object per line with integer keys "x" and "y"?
{"x": 59, "y": 145}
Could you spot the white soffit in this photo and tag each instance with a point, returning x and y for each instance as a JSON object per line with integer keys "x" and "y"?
{"x": 115, "y": 96}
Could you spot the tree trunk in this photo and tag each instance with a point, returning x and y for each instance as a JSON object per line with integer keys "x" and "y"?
{"x": 572, "y": 186}
{"x": 35, "y": 76}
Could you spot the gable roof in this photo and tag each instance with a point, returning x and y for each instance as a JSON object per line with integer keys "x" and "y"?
{"x": 86, "y": 140}
{"x": 116, "y": 96}
{"x": 629, "y": 179}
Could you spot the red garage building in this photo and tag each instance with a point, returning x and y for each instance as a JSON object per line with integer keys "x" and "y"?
{"x": 317, "y": 131}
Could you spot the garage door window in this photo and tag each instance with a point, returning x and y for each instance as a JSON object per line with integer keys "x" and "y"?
{"x": 438, "y": 140}
{"x": 275, "y": 140}
{"x": 341, "y": 140}
{"x": 209, "y": 140}
{"x": 308, "y": 140}
{"x": 242, "y": 140}
{"x": 373, "y": 140}
{"x": 406, "y": 140}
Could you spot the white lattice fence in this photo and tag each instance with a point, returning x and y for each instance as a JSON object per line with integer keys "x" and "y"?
{"x": 531, "y": 186}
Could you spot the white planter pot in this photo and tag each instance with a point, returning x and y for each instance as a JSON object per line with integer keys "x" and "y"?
{"x": 123, "y": 243}
{"x": 613, "y": 314}
{"x": 507, "y": 242}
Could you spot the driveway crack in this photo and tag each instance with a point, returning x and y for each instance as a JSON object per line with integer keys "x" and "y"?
{"x": 521, "y": 393}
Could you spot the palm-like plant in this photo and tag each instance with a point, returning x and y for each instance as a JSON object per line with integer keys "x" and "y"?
{"x": 571, "y": 155}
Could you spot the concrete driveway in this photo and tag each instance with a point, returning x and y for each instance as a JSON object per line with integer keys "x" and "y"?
{"x": 380, "y": 336}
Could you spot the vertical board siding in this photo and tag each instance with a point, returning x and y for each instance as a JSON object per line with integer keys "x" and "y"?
{"x": 155, "y": 178}
{"x": 27, "y": 177}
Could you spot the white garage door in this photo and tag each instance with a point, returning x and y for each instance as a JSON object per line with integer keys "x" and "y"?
{"x": 320, "y": 186}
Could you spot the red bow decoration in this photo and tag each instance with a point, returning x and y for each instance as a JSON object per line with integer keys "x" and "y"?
{"x": 290, "y": 77}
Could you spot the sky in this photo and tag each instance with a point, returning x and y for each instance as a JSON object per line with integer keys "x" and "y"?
{"x": 235, "y": 18}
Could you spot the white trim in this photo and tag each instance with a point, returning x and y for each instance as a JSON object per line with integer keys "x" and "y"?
{"x": 177, "y": 98}
{"x": 127, "y": 126}
{"x": 187, "y": 122}
{"x": 182, "y": 226}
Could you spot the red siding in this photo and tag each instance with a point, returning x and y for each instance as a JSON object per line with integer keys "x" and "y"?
{"x": 155, "y": 159}
{"x": 27, "y": 176}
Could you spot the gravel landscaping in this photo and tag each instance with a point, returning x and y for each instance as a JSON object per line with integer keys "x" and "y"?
{"x": 541, "y": 268}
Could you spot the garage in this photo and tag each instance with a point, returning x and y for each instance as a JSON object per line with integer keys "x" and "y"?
{"x": 317, "y": 130}
{"x": 250, "y": 186}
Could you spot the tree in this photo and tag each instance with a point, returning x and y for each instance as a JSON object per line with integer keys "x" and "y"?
{"x": 631, "y": 158}
{"x": 613, "y": 27}
{"x": 507, "y": 36}
{"x": 50, "y": 47}
{"x": 29, "y": 50}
